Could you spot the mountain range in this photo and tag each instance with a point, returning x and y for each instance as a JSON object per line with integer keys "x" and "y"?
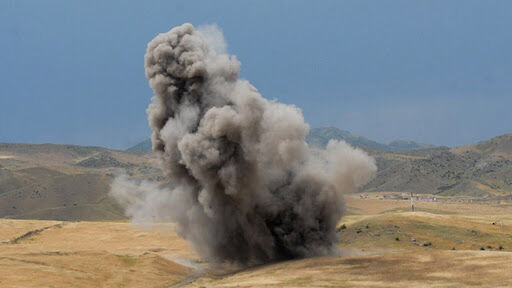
{"x": 67, "y": 182}
{"x": 320, "y": 136}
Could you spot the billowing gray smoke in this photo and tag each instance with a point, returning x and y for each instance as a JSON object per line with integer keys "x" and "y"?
{"x": 243, "y": 184}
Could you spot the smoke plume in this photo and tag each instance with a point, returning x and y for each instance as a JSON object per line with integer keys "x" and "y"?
{"x": 243, "y": 185}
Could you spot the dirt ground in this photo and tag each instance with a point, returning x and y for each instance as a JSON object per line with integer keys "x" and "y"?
{"x": 425, "y": 269}
{"x": 91, "y": 254}
{"x": 382, "y": 244}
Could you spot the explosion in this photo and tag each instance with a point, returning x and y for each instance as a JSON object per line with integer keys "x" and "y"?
{"x": 242, "y": 184}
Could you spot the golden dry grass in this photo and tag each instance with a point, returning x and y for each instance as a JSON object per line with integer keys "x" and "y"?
{"x": 374, "y": 257}
{"x": 89, "y": 254}
{"x": 424, "y": 269}
{"x": 375, "y": 206}
{"x": 114, "y": 254}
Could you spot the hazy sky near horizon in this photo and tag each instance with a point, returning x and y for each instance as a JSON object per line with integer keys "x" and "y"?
{"x": 432, "y": 71}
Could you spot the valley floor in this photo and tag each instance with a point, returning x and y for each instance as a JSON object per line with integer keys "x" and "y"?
{"x": 383, "y": 244}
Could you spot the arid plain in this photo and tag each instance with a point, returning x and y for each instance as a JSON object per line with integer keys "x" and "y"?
{"x": 459, "y": 235}
{"x": 382, "y": 244}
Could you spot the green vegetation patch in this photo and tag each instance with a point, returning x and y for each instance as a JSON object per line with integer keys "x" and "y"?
{"x": 129, "y": 260}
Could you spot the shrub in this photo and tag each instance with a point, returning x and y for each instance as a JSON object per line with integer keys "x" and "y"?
{"x": 339, "y": 229}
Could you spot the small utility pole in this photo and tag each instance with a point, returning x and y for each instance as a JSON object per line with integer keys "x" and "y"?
{"x": 412, "y": 202}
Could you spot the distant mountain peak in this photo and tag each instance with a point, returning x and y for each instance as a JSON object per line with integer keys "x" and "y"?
{"x": 400, "y": 145}
{"x": 144, "y": 146}
{"x": 319, "y": 137}
{"x": 502, "y": 143}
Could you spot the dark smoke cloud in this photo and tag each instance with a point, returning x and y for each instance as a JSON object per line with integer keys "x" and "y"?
{"x": 244, "y": 185}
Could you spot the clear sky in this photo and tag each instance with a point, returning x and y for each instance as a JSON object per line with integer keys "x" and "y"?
{"x": 431, "y": 71}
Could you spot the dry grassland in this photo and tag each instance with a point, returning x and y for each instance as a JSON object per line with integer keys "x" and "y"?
{"x": 383, "y": 244}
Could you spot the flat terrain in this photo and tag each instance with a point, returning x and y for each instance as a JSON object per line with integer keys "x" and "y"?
{"x": 90, "y": 254}
{"x": 382, "y": 244}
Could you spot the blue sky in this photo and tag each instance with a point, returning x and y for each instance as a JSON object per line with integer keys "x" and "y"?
{"x": 431, "y": 71}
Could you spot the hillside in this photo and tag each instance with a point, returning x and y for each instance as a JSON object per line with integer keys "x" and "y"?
{"x": 321, "y": 136}
{"x": 64, "y": 182}
{"x": 480, "y": 170}
{"x": 144, "y": 146}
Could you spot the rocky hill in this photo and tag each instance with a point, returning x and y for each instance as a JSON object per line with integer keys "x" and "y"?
{"x": 480, "y": 170}
{"x": 65, "y": 182}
